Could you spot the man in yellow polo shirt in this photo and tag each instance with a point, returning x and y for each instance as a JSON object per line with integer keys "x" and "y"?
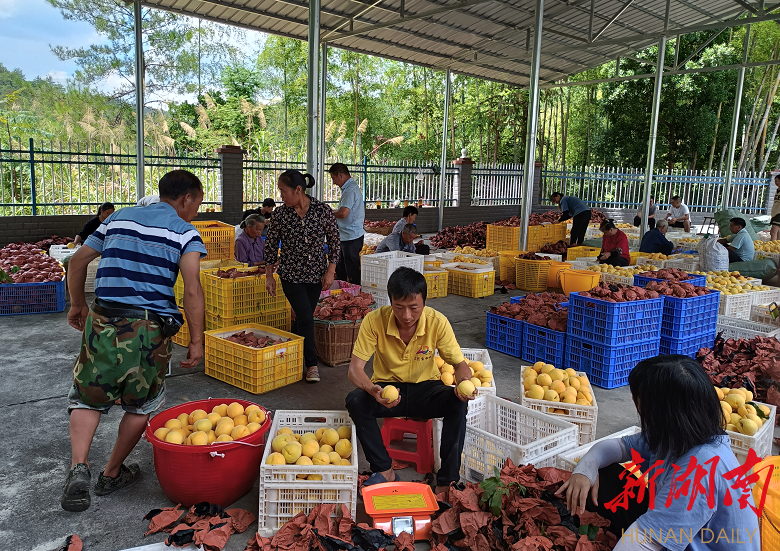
{"x": 403, "y": 338}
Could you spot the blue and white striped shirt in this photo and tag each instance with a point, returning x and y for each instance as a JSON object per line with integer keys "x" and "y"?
{"x": 141, "y": 248}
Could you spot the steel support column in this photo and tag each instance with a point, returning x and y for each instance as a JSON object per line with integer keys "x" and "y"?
{"x": 735, "y": 122}
{"x": 443, "y": 173}
{"x": 659, "y": 78}
{"x": 139, "y": 102}
{"x": 531, "y": 125}
{"x": 323, "y": 150}
{"x": 312, "y": 88}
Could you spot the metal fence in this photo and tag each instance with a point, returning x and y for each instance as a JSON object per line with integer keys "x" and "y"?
{"x": 75, "y": 178}
{"x": 497, "y": 184}
{"x": 383, "y": 183}
{"x": 609, "y": 187}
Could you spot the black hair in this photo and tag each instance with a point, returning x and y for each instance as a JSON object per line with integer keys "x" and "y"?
{"x": 406, "y": 283}
{"x": 338, "y": 168}
{"x": 739, "y": 222}
{"x": 105, "y": 206}
{"x": 293, "y": 179}
{"x": 178, "y": 183}
{"x": 411, "y": 209}
{"x": 607, "y": 225}
{"x": 269, "y": 202}
{"x": 556, "y": 194}
{"x": 678, "y": 406}
{"x": 249, "y": 212}
{"x": 676, "y": 198}
{"x": 252, "y": 220}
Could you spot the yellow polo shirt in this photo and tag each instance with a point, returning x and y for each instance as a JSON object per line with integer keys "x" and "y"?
{"x": 395, "y": 361}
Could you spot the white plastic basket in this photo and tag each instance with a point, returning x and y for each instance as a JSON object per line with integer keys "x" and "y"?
{"x": 686, "y": 264}
{"x": 89, "y": 284}
{"x": 480, "y": 355}
{"x": 553, "y": 257}
{"x": 282, "y": 495}
{"x": 614, "y": 278}
{"x": 568, "y": 460}
{"x": 380, "y": 297}
{"x": 766, "y": 297}
{"x": 735, "y": 306}
{"x": 760, "y": 314}
{"x": 497, "y": 429}
{"x": 377, "y": 268}
{"x": 60, "y": 252}
{"x": 737, "y": 328}
{"x": 466, "y": 268}
{"x": 585, "y": 417}
{"x": 634, "y": 243}
{"x": 642, "y": 260}
{"x": 761, "y": 442}
{"x": 772, "y": 256}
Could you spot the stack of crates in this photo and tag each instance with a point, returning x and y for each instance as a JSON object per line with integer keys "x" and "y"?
{"x": 688, "y": 324}
{"x": 436, "y": 280}
{"x": 244, "y": 300}
{"x": 470, "y": 280}
{"x": 218, "y": 237}
{"x": 545, "y": 234}
{"x": 376, "y": 269}
{"x": 507, "y": 238}
{"x": 502, "y": 238}
{"x": 206, "y": 266}
{"x": 607, "y": 339}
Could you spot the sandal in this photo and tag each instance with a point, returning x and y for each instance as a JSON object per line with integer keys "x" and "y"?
{"x": 312, "y": 375}
{"x": 378, "y": 478}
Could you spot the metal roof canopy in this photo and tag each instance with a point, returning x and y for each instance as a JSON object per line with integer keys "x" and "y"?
{"x": 488, "y": 39}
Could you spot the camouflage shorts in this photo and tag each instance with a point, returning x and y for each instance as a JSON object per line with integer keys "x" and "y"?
{"x": 120, "y": 359}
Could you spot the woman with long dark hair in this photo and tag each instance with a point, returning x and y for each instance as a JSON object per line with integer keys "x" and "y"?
{"x": 682, "y": 425}
{"x": 303, "y": 224}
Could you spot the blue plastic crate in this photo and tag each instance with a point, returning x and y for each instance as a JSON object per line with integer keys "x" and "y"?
{"x": 607, "y": 366}
{"x": 504, "y": 334}
{"x": 697, "y": 280}
{"x": 32, "y": 298}
{"x": 689, "y": 317}
{"x": 614, "y": 323}
{"x": 686, "y": 347}
{"x": 541, "y": 344}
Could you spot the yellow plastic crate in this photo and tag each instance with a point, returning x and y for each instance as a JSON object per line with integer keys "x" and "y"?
{"x": 506, "y": 261}
{"x": 541, "y": 235}
{"x": 473, "y": 285}
{"x": 436, "y": 278}
{"x": 206, "y": 266}
{"x": 278, "y": 319}
{"x": 581, "y": 252}
{"x": 634, "y": 256}
{"x": 241, "y": 296}
{"x": 532, "y": 274}
{"x": 219, "y": 238}
{"x": 502, "y": 238}
{"x": 182, "y": 338}
{"x": 251, "y": 369}
{"x": 434, "y": 263}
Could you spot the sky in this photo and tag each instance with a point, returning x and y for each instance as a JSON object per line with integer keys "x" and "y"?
{"x": 28, "y": 27}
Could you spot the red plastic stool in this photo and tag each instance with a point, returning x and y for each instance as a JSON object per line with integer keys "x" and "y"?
{"x": 394, "y": 428}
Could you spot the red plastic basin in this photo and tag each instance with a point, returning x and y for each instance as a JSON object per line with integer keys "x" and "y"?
{"x": 190, "y": 474}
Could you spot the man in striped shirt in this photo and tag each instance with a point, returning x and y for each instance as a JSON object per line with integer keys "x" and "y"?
{"x": 126, "y": 343}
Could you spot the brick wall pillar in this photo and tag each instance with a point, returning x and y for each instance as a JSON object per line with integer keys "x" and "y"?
{"x": 462, "y": 183}
{"x": 231, "y": 179}
{"x": 537, "y": 189}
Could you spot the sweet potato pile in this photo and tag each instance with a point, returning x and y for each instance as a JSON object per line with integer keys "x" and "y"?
{"x": 596, "y": 216}
{"x": 473, "y": 235}
{"x": 247, "y": 338}
{"x": 670, "y": 274}
{"x": 613, "y": 292}
{"x": 549, "y": 217}
{"x": 541, "y": 309}
{"x": 233, "y": 273}
{"x": 26, "y": 263}
{"x": 379, "y": 224}
{"x": 559, "y": 247}
{"x": 532, "y": 256}
{"x": 750, "y": 363}
{"x": 45, "y": 244}
{"x": 678, "y": 289}
{"x": 344, "y": 307}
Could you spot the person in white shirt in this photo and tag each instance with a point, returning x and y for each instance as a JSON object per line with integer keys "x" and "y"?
{"x": 148, "y": 200}
{"x": 679, "y": 216}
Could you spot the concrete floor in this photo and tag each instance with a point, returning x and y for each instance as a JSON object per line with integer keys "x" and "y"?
{"x": 40, "y": 351}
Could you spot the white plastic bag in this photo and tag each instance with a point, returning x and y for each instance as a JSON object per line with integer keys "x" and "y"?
{"x": 713, "y": 257}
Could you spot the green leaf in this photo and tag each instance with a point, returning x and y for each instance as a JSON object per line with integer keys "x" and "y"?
{"x": 497, "y": 471}
{"x": 15, "y": 269}
{"x": 4, "y": 278}
{"x": 495, "y": 503}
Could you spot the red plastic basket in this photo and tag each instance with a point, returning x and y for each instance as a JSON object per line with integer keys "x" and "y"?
{"x": 189, "y": 474}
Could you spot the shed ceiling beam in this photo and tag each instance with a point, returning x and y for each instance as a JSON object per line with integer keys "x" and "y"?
{"x": 612, "y": 20}
{"x": 351, "y": 18}
{"x": 745, "y": 5}
{"x": 646, "y": 62}
{"x": 421, "y": 15}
